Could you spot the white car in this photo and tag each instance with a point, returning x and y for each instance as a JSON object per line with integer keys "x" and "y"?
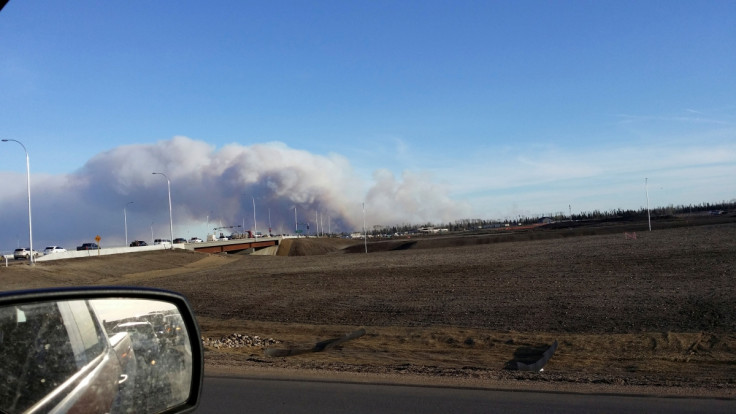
{"x": 195, "y": 240}
{"x": 54, "y": 249}
{"x": 24, "y": 253}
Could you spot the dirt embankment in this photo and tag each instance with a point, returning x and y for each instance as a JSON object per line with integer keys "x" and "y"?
{"x": 313, "y": 246}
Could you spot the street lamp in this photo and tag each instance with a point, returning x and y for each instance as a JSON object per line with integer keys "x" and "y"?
{"x": 255, "y": 226}
{"x": 125, "y": 219}
{"x": 171, "y": 220}
{"x": 646, "y": 189}
{"x": 365, "y": 235}
{"x": 28, "y": 185}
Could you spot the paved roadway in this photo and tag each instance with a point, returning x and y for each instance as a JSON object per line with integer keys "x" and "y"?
{"x": 263, "y": 396}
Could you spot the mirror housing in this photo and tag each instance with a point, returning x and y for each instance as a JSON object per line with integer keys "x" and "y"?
{"x": 58, "y": 343}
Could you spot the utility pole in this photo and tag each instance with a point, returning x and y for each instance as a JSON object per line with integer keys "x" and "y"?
{"x": 365, "y": 235}
{"x": 28, "y": 187}
{"x": 649, "y": 216}
{"x": 255, "y": 226}
{"x": 171, "y": 220}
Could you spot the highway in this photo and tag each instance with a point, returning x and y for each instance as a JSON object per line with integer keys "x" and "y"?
{"x": 263, "y": 396}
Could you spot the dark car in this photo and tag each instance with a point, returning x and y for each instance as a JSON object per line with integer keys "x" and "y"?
{"x": 137, "y": 243}
{"x": 88, "y": 246}
{"x": 143, "y": 335}
{"x": 179, "y": 240}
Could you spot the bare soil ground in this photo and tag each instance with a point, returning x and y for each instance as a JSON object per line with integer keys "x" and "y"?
{"x": 655, "y": 314}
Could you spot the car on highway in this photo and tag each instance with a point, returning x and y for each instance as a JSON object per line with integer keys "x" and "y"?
{"x": 88, "y": 246}
{"x": 53, "y": 249}
{"x": 179, "y": 240}
{"x": 173, "y": 325}
{"x": 196, "y": 240}
{"x": 137, "y": 243}
{"x": 161, "y": 241}
{"x": 24, "y": 253}
{"x": 143, "y": 334}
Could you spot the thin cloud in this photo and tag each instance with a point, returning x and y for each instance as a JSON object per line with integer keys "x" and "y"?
{"x": 631, "y": 119}
{"x": 593, "y": 179}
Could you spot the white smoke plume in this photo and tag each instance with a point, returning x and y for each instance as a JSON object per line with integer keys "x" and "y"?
{"x": 212, "y": 188}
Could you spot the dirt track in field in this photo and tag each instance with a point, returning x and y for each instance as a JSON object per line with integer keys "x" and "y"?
{"x": 659, "y": 310}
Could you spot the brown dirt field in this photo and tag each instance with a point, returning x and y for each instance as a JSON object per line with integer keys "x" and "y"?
{"x": 658, "y": 311}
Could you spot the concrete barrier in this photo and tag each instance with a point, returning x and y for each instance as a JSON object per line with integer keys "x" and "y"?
{"x": 72, "y": 254}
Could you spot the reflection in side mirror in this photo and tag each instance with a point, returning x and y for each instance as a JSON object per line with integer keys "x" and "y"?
{"x": 98, "y": 355}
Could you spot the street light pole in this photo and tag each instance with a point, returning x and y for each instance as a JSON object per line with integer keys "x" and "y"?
{"x": 171, "y": 220}
{"x": 649, "y": 216}
{"x": 28, "y": 186}
{"x": 125, "y": 219}
{"x": 255, "y": 226}
{"x": 365, "y": 235}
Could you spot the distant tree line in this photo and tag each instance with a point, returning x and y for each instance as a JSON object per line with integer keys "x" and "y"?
{"x": 616, "y": 214}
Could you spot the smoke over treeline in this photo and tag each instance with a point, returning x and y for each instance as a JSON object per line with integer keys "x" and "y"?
{"x": 211, "y": 188}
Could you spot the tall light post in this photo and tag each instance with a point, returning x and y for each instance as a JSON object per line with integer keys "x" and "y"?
{"x": 649, "y": 216}
{"x": 255, "y": 226}
{"x": 125, "y": 219}
{"x": 171, "y": 220}
{"x": 365, "y": 235}
{"x": 207, "y": 230}
{"x": 28, "y": 186}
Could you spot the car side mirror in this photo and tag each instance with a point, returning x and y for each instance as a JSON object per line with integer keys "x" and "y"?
{"x": 99, "y": 350}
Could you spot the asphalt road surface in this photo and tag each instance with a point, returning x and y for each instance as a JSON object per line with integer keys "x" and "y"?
{"x": 263, "y": 396}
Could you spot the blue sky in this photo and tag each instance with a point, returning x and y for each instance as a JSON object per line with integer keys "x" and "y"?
{"x": 426, "y": 111}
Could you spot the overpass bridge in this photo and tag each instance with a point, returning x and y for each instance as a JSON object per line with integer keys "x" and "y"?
{"x": 233, "y": 246}
{"x": 218, "y": 246}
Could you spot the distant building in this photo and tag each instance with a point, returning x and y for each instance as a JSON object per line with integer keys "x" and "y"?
{"x": 432, "y": 230}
